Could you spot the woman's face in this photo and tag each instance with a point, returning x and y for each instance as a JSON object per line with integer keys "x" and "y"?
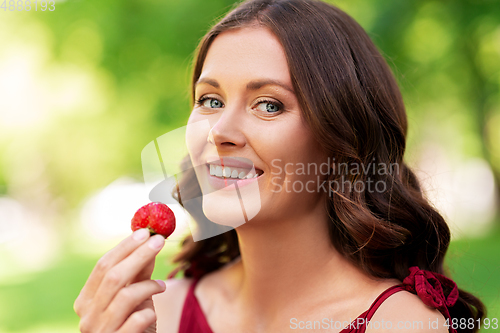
{"x": 245, "y": 98}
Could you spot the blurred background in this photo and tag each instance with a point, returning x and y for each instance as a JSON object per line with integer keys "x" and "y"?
{"x": 84, "y": 88}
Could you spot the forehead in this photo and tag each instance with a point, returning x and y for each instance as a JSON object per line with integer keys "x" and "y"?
{"x": 245, "y": 54}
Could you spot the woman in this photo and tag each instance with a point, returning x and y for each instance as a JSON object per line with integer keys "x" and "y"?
{"x": 291, "y": 85}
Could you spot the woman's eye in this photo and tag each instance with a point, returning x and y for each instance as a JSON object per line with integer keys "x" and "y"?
{"x": 263, "y": 106}
{"x": 209, "y": 102}
{"x": 269, "y": 107}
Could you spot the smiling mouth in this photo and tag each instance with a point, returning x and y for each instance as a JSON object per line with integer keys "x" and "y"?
{"x": 227, "y": 172}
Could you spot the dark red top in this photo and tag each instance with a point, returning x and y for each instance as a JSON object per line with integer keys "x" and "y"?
{"x": 425, "y": 284}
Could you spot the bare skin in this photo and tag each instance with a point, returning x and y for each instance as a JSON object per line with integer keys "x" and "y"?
{"x": 117, "y": 296}
{"x": 288, "y": 266}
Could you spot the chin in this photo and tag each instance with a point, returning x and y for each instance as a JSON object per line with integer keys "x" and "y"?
{"x": 223, "y": 210}
{"x": 232, "y": 206}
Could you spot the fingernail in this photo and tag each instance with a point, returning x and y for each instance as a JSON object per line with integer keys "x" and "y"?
{"x": 156, "y": 242}
{"x": 140, "y": 234}
{"x": 161, "y": 283}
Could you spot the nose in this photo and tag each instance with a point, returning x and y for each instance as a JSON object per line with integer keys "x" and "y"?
{"x": 226, "y": 132}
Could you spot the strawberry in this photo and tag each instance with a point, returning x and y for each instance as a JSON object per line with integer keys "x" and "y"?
{"x": 155, "y": 216}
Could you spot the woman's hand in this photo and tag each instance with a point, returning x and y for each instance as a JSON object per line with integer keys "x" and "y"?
{"x": 117, "y": 296}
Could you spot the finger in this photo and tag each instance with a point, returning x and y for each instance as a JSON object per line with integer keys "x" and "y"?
{"x": 110, "y": 259}
{"x": 146, "y": 272}
{"x": 124, "y": 272}
{"x": 139, "y": 321}
{"x": 148, "y": 303}
{"x": 129, "y": 298}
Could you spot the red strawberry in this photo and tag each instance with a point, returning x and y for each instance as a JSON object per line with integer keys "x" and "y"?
{"x": 155, "y": 216}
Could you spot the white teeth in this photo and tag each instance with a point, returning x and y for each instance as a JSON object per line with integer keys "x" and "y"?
{"x": 218, "y": 171}
{"x": 230, "y": 172}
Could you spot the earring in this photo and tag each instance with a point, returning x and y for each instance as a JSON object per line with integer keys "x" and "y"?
{"x": 210, "y": 138}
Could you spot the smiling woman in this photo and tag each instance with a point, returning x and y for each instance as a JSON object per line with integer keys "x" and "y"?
{"x": 280, "y": 83}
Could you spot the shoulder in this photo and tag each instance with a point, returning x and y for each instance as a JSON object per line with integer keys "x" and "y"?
{"x": 405, "y": 312}
{"x": 169, "y": 304}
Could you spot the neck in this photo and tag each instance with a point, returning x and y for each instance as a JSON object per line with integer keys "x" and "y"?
{"x": 284, "y": 264}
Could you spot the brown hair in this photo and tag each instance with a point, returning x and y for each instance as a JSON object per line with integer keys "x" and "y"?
{"x": 351, "y": 101}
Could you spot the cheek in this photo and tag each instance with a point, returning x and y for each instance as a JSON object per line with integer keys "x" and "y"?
{"x": 287, "y": 150}
{"x": 305, "y": 147}
{"x": 196, "y": 136}
{"x": 295, "y": 145}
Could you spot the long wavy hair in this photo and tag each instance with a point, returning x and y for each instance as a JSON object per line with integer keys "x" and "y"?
{"x": 354, "y": 108}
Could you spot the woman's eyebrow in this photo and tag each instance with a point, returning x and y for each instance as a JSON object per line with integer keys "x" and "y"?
{"x": 252, "y": 85}
{"x": 257, "y": 84}
{"x": 211, "y": 82}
